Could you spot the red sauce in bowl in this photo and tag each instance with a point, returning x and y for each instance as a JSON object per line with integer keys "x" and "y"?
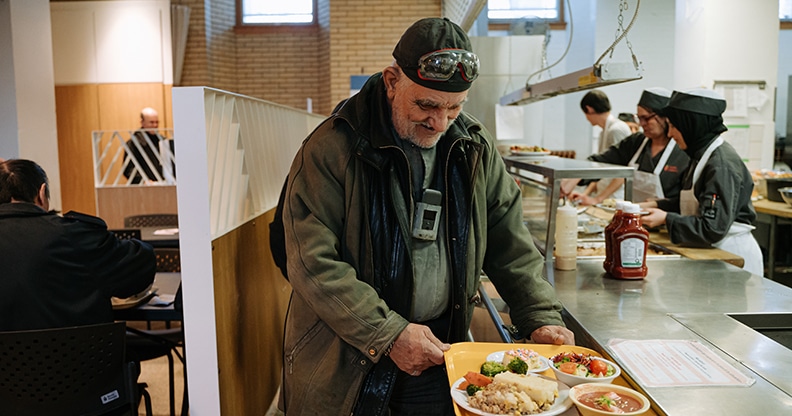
{"x": 608, "y": 400}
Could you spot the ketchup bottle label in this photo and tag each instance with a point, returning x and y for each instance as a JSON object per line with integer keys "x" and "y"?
{"x": 632, "y": 252}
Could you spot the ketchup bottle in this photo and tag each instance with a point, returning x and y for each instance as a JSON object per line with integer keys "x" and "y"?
{"x": 630, "y": 242}
{"x": 614, "y": 223}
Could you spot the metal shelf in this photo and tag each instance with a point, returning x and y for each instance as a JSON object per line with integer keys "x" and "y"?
{"x": 548, "y": 172}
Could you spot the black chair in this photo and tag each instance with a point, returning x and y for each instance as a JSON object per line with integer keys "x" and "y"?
{"x": 126, "y": 233}
{"x": 69, "y": 371}
{"x": 151, "y": 220}
{"x": 168, "y": 260}
{"x": 150, "y": 343}
{"x": 147, "y": 345}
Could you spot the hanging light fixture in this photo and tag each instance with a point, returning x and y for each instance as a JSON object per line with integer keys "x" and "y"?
{"x": 598, "y": 75}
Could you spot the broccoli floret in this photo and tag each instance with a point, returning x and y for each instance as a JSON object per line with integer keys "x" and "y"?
{"x": 472, "y": 389}
{"x": 518, "y": 366}
{"x": 490, "y": 368}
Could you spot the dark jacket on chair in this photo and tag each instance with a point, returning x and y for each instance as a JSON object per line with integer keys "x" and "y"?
{"x": 62, "y": 271}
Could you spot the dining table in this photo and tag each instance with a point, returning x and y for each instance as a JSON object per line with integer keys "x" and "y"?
{"x": 774, "y": 214}
{"x": 160, "y": 236}
{"x": 160, "y": 305}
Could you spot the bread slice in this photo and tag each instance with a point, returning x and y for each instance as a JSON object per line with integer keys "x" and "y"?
{"x": 542, "y": 391}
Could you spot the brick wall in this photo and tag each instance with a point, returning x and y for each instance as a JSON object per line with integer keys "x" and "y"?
{"x": 363, "y": 34}
{"x": 353, "y": 37}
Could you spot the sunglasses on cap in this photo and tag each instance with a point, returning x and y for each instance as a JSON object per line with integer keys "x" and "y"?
{"x": 441, "y": 65}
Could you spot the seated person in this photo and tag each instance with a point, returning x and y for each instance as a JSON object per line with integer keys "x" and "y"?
{"x": 145, "y": 144}
{"x": 59, "y": 271}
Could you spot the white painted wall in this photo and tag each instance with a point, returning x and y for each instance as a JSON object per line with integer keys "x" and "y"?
{"x": 724, "y": 40}
{"x": 28, "y": 128}
{"x": 120, "y": 41}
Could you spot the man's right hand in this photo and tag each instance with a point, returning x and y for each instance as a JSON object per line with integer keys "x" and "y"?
{"x": 568, "y": 185}
{"x": 417, "y": 349}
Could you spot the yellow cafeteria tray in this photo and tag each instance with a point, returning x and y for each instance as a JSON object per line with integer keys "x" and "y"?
{"x": 468, "y": 356}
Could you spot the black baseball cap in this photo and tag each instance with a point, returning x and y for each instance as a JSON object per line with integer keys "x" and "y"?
{"x": 426, "y": 36}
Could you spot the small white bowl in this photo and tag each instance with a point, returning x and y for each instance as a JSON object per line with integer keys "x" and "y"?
{"x": 579, "y": 390}
{"x": 573, "y": 380}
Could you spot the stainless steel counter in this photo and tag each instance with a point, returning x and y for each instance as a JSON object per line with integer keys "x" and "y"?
{"x": 686, "y": 299}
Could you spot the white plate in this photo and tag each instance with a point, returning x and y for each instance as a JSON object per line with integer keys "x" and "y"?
{"x": 561, "y": 404}
{"x": 521, "y": 153}
{"x": 498, "y": 356}
{"x": 134, "y": 300}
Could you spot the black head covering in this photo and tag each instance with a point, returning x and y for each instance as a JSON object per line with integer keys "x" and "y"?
{"x": 697, "y": 115}
{"x": 430, "y": 35}
{"x": 654, "y": 99}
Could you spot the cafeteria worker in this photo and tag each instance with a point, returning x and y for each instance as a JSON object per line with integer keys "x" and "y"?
{"x": 714, "y": 207}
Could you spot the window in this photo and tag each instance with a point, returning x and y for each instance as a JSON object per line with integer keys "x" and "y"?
{"x": 785, "y": 13}
{"x": 503, "y": 11}
{"x": 276, "y": 12}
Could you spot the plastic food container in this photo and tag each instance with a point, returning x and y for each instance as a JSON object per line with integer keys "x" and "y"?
{"x": 577, "y": 391}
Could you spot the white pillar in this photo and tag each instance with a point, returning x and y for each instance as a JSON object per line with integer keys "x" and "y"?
{"x": 28, "y": 127}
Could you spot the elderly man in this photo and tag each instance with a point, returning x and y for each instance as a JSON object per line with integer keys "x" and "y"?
{"x": 394, "y": 206}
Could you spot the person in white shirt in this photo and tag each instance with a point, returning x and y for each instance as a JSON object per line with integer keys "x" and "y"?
{"x": 597, "y": 108}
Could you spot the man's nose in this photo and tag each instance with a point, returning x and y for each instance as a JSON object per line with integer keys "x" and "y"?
{"x": 441, "y": 120}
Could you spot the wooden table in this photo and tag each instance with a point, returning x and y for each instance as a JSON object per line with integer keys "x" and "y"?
{"x": 772, "y": 213}
{"x": 661, "y": 238}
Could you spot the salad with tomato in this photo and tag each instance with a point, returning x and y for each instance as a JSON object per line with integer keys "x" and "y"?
{"x": 582, "y": 365}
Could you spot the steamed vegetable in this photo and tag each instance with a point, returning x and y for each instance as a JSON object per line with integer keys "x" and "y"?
{"x": 518, "y": 366}
{"x": 490, "y": 368}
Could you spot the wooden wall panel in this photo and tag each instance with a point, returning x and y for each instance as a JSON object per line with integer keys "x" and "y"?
{"x": 81, "y": 109}
{"x": 166, "y": 120}
{"x": 77, "y": 112}
{"x": 115, "y": 203}
{"x": 251, "y": 298}
{"x": 120, "y": 104}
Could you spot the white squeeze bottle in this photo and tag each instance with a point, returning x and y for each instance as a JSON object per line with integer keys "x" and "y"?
{"x": 566, "y": 238}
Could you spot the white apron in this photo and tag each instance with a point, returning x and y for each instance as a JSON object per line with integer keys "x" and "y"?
{"x": 647, "y": 186}
{"x": 738, "y": 239}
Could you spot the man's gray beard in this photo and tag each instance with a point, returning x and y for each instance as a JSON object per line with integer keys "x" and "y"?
{"x": 407, "y": 125}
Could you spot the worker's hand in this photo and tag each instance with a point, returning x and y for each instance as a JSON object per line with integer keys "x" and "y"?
{"x": 417, "y": 349}
{"x": 553, "y": 334}
{"x": 651, "y": 203}
{"x": 568, "y": 185}
{"x": 655, "y": 218}
{"x": 583, "y": 199}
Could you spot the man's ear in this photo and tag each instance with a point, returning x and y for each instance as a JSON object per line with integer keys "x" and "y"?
{"x": 41, "y": 199}
{"x": 390, "y": 76}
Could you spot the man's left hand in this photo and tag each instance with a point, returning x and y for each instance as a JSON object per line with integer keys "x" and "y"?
{"x": 553, "y": 334}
